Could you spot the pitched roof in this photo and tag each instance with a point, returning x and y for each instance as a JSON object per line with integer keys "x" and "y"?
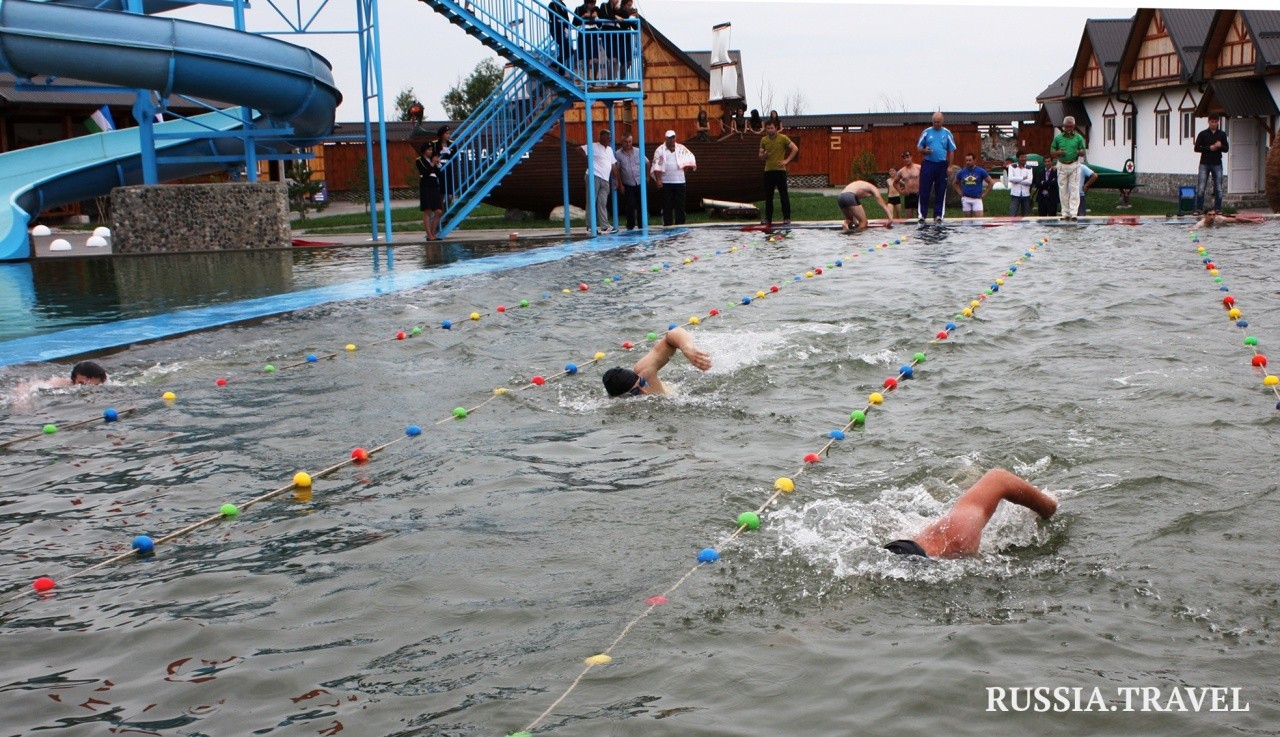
{"x": 1237, "y": 98}
{"x": 1107, "y": 36}
{"x": 1057, "y": 89}
{"x": 1188, "y": 28}
{"x": 1265, "y": 27}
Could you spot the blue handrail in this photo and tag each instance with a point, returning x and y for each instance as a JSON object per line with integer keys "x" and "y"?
{"x": 495, "y": 138}
{"x": 560, "y": 47}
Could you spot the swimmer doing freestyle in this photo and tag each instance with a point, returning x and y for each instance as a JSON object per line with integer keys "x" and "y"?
{"x": 958, "y": 533}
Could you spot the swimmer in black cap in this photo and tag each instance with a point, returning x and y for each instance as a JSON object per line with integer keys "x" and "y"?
{"x": 958, "y": 533}
{"x": 643, "y": 379}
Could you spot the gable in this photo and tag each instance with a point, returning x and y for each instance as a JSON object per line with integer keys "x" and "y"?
{"x": 1157, "y": 56}
{"x": 1238, "y": 51}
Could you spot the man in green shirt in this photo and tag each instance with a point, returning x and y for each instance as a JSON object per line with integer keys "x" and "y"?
{"x": 777, "y": 151}
{"x": 1068, "y": 149}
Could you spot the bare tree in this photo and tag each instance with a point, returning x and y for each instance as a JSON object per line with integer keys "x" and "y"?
{"x": 765, "y": 98}
{"x": 795, "y": 103}
{"x": 887, "y": 104}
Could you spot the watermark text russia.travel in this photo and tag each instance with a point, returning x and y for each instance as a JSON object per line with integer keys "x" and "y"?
{"x": 1122, "y": 698}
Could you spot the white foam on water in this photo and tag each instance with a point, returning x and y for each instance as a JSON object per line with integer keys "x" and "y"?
{"x": 848, "y": 536}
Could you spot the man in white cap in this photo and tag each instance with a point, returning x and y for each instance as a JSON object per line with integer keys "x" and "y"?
{"x": 670, "y": 162}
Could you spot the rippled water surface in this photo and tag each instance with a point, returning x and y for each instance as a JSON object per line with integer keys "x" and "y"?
{"x": 455, "y": 583}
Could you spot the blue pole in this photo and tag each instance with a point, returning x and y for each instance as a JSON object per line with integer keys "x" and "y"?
{"x": 638, "y": 55}
{"x": 564, "y": 171}
{"x": 246, "y": 115}
{"x": 362, "y": 25}
{"x": 613, "y": 136}
{"x": 590, "y": 175}
{"x": 144, "y": 111}
{"x": 382, "y": 128}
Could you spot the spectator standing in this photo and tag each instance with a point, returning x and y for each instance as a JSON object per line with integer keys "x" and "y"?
{"x": 602, "y": 173}
{"x": 938, "y": 147}
{"x": 671, "y": 162}
{"x": 1068, "y": 147}
{"x": 1211, "y": 144}
{"x": 1020, "y": 176}
{"x": 558, "y": 15}
{"x": 631, "y": 166}
{"x": 777, "y": 151}
{"x": 1047, "y": 189}
{"x": 430, "y": 194}
{"x": 973, "y": 183}
{"x": 907, "y": 182}
{"x": 1087, "y": 178}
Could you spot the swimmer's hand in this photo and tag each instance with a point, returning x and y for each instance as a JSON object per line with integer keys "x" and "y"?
{"x": 700, "y": 359}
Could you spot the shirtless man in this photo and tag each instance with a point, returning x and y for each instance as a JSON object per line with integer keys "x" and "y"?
{"x": 959, "y": 532}
{"x": 907, "y": 182}
{"x": 850, "y": 202}
{"x": 643, "y": 379}
{"x": 1214, "y": 217}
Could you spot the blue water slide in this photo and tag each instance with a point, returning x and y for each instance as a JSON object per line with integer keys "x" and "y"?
{"x": 291, "y": 88}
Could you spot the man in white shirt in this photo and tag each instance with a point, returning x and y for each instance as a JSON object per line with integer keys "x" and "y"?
{"x": 1019, "y": 187}
{"x": 602, "y": 173}
{"x": 670, "y": 162}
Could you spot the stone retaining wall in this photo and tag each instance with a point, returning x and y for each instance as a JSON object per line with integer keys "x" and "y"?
{"x": 199, "y": 217}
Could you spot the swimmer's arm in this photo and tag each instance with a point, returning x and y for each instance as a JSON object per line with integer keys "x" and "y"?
{"x": 999, "y": 484}
{"x": 888, "y": 214}
{"x": 662, "y": 352}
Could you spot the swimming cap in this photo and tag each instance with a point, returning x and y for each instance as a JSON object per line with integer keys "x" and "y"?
{"x": 618, "y": 380}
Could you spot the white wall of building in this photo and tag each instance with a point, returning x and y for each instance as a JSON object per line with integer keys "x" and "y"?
{"x": 1174, "y": 155}
{"x": 1111, "y": 154}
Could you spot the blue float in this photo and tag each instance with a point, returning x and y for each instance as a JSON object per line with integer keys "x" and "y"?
{"x": 447, "y": 325}
{"x": 836, "y": 434}
{"x": 110, "y": 414}
{"x": 413, "y": 431}
{"x": 950, "y": 326}
{"x": 571, "y": 368}
{"x": 708, "y": 555}
{"x": 906, "y": 371}
{"x": 144, "y": 545}
{"x": 311, "y": 358}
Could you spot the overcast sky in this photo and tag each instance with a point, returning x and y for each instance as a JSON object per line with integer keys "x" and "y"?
{"x": 839, "y": 56}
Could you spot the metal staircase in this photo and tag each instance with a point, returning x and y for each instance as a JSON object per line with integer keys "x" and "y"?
{"x": 560, "y": 61}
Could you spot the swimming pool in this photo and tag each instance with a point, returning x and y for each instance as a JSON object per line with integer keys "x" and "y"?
{"x": 455, "y": 584}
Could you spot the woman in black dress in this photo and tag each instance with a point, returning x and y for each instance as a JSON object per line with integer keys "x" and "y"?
{"x": 430, "y": 192}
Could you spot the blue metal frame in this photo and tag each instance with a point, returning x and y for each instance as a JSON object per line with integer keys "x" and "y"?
{"x": 562, "y": 62}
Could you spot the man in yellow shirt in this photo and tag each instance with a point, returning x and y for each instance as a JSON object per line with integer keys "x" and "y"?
{"x": 777, "y": 151}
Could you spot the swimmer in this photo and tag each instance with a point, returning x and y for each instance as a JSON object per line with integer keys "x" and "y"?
{"x": 85, "y": 372}
{"x": 850, "y": 202}
{"x": 958, "y": 533}
{"x": 1214, "y": 217}
{"x": 643, "y": 379}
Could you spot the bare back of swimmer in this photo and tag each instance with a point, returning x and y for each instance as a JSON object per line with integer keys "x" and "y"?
{"x": 958, "y": 533}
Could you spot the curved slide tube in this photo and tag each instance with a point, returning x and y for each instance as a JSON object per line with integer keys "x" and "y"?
{"x": 289, "y": 85}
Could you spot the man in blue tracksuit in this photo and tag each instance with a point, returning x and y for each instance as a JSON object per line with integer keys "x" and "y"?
{"x": 938, "y": 145}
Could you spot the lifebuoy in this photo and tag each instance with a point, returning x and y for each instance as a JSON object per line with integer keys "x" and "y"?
{"x": 1128, "y": 166}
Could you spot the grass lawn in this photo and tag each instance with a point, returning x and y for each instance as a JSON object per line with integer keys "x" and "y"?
{"x": 805, "y": 206}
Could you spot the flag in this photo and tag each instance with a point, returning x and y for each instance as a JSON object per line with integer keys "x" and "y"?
{"x": 100, "y": 121}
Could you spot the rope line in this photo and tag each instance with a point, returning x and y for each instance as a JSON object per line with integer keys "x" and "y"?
{"x": 1234, "y": 313}
{"x": 144, "y": 545}
{"x": 782, "y": 486}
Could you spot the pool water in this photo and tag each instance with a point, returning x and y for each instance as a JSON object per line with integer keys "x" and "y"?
{"x": 454, "y": 584}
{"x": 43, "y": 296}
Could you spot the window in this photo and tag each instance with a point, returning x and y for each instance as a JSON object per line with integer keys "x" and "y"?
{"x": 1187, "y": 118}
{"x": 1130, "y": 126}
{"x": 1162, "y": 110}
{"x": 1109, "y": 130}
